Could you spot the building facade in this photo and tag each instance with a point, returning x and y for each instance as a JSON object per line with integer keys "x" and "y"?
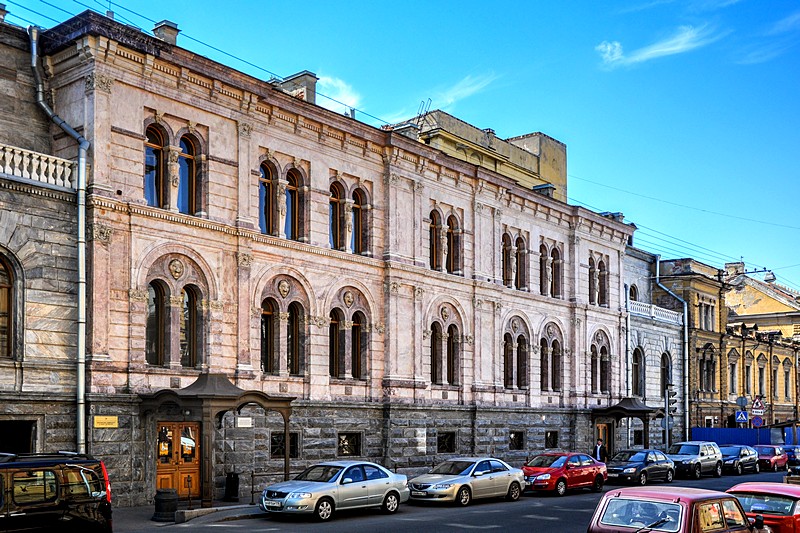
{"x": 411, "y": 299}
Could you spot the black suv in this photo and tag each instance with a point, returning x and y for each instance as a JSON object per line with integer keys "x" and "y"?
{"x": 694, "y": 458}
{"x": 60, "y": 491}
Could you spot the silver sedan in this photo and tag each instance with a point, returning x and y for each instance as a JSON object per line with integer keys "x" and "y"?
{"x": 323, "y": 488}
{"x": 461, "y": 480}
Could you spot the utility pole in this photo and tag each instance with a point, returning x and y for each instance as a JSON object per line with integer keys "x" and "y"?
{"x": 670, "y": 408}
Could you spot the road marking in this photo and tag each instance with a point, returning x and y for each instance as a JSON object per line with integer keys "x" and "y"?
{"x": 540, "y": 517}
{"x": 470, "y": 526}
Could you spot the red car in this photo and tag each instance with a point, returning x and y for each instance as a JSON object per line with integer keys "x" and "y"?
{"x": 771, "y": 457}
{"x": 671, "y": 510}
{"x": 559, "y": 471}
{"x": 778, "y": 503}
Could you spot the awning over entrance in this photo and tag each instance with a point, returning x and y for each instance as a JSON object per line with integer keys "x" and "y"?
{"x": 212, "y": 395}
{"x": 628, "y": 408}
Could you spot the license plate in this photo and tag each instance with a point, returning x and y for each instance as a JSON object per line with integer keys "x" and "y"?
{"x": 270, "y": 503}
{"x": 613, "y": 475}
{"x": 419, "y": 493}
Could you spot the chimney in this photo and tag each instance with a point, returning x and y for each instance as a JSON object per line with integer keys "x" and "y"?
{"x": 3, "y": 12}
{"x": 734, "y": 269}
{"x": 302, "y": 85}
{"x": 166, "y": 31}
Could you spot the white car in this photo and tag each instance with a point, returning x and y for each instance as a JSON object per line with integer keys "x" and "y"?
{"x": 323, "y": 488}
{"x": 460, "y": 480}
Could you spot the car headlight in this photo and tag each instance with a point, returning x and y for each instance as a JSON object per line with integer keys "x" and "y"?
{"x": 299, "y": 495}
{"x": 630, "y": 470}
{"x": 730, "y": 461}
{"x": 544, "y": 477}
{"x": 441, "y": 486}
{"x": 687, "y": 461}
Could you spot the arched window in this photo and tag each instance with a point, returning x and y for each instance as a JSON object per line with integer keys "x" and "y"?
{"x": 294, "y": 339}
{"x": 637, "y": 373}
{"x": 292, "y": 198}
{"x": 605, "y": 375}
{"x": 435, "y": 226}
{"x": 269, "y": 341}
{"x": 453, "y": 352}
{"x": 453, "y": 259}
{"x": 633, "y": 293}
{"x": 360, "y": 235}
{"x": 555, "y": 358}
{"x": 358, "y": 346}
{"x": 544, "y": 364}
{"x": 555, "y": 282}
{"x": 266, "y": 201}
{"x": 187, "y": 177}
{"x": 508, "y": 361}
{"x": 592, "y": 281}
{"x": 666, "y": 373}
{"x": 544, "y": 271}
{"x": 707, "y": 369}
{"x": 595, "y": 370}
{"x": 335, "y": 345}
{"x": 522, "y": 362}
{"x": 189, "y": 328}
{"x": 602, "y": 296}
{"x": 506, "y": 261}
{"x": 154, "y": 183}
{"x": 336, "y": 218}
{"x": 436, "y": 353}
{"x": 521, "y": 272}
{"x": 156, "y": 325}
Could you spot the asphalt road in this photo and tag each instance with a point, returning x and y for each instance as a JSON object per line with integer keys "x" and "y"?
{"x": 533, "y": 512}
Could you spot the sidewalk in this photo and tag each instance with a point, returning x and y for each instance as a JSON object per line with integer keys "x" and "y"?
{"x": 132, "y": 519}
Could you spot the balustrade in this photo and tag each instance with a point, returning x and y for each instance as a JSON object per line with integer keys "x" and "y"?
{"x": 36, "y": 166}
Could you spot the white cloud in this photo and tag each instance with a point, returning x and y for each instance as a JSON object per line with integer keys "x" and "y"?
{"x": 686, "y": 38}
{"x": 464, "y": 88}
{"x": 336, "y": 94}
{"x": 786, "y": 25}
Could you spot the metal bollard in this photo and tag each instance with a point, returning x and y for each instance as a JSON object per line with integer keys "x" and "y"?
{"x": 252, "y": 487}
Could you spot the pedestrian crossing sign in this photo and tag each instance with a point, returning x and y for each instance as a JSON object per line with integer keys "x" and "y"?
{"x": 758, "y": 403}
{"x": 741, "y": 417}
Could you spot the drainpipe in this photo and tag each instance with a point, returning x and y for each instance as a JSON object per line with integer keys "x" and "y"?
{"x": 628, "y": 357}
{"x": 83, "y": 147}
{"x": 685, "y": 348}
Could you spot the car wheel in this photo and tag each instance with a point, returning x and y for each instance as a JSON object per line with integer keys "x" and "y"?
{"x": 643, "y": 479}
{"x": 758, "y": 468}
{"x": 774, "y": 467}
{"x": 597, "y": 486}
{"x": 718, "y": 470}
{"x": 324, "y": 509}
{"x": 561, "y": 487}
{"x": 513, "y": 492}
{"x": 463, "y": 496}
{"x": 670, "y": 476}
{"x": 391, "y": 503}
{"x": 697, "y": 472}
{"x": 739, "y": 469}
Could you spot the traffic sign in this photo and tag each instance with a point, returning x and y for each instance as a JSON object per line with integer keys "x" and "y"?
{"x": 758, "y": 403}
{"x": 757, "y": 412}
{"x": 741, "y": 417}
{"x": 741, "y": 401}
{"x": 668, "y": 421}
{"x": 757, "y": 421}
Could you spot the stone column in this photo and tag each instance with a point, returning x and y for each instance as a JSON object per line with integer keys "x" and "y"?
{"x": 444, "y": 249}
{"x": 512, "y": 258}
{"x": 282, "y": 356}
{"x": 595, "y": 286}
{"x": 346, "y": 362}
{"x": 244, "y": 358}
{"x": 545, "y": 369}
{"x": 348, "y": 226}
{"x": 172, "y": 155}
{"x": 281, "y": 203}
{"x": 173, "y": 356}
{"x": 548, "y": 268}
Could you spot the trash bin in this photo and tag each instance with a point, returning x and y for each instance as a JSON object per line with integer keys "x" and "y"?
{"x": 166, "y": 502}
{"x": 231, "y": 487}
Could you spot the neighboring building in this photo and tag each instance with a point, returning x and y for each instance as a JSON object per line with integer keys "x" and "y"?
{"x": 655, "y": 349}
{"x": 764, "y": 325}
{"x": 391, "y": 299}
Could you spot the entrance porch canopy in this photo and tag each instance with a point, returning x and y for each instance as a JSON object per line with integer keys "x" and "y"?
{"x": 213, "y": 395}
{"x": 627, "y": 408}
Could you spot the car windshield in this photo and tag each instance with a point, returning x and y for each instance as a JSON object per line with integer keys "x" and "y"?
{"x": 730, "y": 450}
{"x": 765, "y": 450}
{"x": 453, "y": 468}
{"x": 547, "y": 461}
{"x": 320, "y": 473}
{"x": 765, "y": 503}
{"x": 684, "y": 449}
{"x": 659, "y": 516}
{"x": 629, "y": 456}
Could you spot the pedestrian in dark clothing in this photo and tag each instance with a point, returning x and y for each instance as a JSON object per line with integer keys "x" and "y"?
{"x": 599, "y": 452}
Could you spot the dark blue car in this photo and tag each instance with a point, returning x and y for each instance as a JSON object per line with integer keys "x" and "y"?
{"x": 794, "y": 454}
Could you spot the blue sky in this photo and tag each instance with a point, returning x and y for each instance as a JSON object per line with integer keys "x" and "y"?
{"x": 683, "y": 115}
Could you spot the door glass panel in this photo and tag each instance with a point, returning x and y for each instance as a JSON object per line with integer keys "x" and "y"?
{"x": 165, "y": 444}
{"x": 188, "y": 445}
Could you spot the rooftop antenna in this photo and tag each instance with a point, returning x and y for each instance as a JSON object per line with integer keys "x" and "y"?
{"x": 424, "y": 107}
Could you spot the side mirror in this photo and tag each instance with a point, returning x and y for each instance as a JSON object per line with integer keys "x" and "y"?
{"x": 479, "y": 474}
{"x": 568, "y": 466}
{"x": 347, "y": 480}
{"x": 758, "y": 523}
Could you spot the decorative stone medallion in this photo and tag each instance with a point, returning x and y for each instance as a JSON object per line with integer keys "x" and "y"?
{"x": 176, "y": 268}
{"x": 283, "y": 288}
{"x": 348, "y": 299}
{"x": 445, "y": 312}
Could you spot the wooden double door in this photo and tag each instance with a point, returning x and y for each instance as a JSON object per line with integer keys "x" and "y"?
{"x": 178, "y": 458}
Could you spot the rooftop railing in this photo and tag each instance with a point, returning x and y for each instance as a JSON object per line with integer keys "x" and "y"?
{"x": 655, "y": 312}
{"x": 38, "y": 167}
